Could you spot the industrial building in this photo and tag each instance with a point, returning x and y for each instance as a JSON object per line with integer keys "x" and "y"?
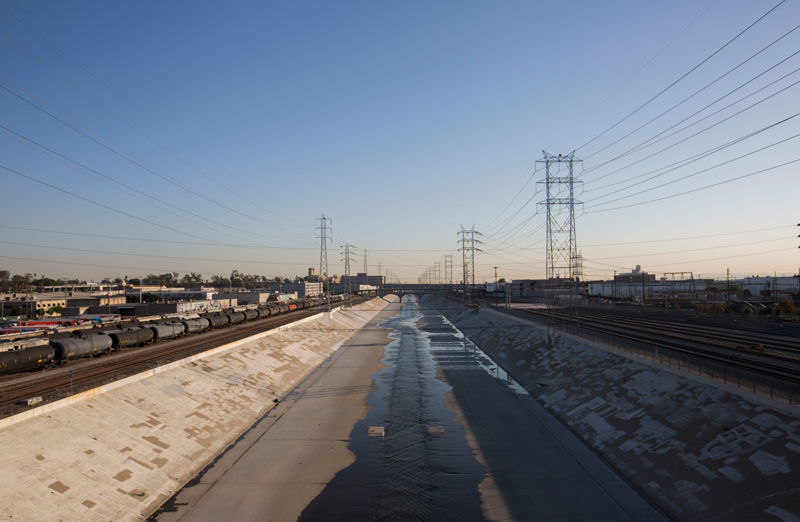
{"x": 635, "y": 276}
{"x": 363, "y": 279}
{"x": 30, "y": 304}
{"x": 302, "y": 289}
{"x": 526, "y": 287}
{"x": 242, "y": 298}
{"x": 694, "y": 289}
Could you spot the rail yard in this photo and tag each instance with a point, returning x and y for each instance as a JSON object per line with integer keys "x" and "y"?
{"x": 54, "y": 372}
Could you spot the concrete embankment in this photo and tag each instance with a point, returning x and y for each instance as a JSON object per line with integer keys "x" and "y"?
{"x": 698, "y": 449}
{"x": 118, "y": 455}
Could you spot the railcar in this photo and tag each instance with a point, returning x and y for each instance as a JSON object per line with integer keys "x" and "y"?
{"x": 72, "y": 347}
{"x": 218, "y": 321}
{"x": 236, "y": 317}
{"x": 130, "y": 337}
{"x": 18, "y": 360}
{"x": 195, "y": 325}
{"x": 166, "y": 331}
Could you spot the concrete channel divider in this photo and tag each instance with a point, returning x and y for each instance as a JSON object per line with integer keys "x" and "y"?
{"x": 119, "y": 451}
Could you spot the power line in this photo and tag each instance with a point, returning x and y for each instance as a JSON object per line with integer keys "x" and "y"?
{"x": 23, "y": 139}
{"x": 649, "y": 142}
{"x": 688, "y": 175}
{"x": 697, "y": 158}
{"x": 141, "y": 111}
{"x": 634, "y": 74}
{"x": 697, "y": 189}
{"x": 165, "y": 149}
{"x": 685, "y": 75}
{"x": 143, "y": 165}
{"x": 99, "y": 204}
{"x": 701, "y": 90}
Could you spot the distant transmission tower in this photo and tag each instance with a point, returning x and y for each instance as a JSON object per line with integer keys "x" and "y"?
{"x": 562, "y": 247}
{"x": 578, "y": 264}
{"x": 448, "y": 269}
{"x": 366, "y": 277}
{"x": 468, "y": 249}
{"x": 322, "y": 230}
{"x": 348, "y": 284}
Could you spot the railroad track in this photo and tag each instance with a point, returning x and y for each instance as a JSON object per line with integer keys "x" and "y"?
{"x": 787, "y": 344}
{"x": 768, "y": 364}
{"x": 52, "y": 383}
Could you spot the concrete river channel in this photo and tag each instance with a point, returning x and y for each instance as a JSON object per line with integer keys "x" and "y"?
{"x": 437, "y": 392}
{"x": 442, "y": 435}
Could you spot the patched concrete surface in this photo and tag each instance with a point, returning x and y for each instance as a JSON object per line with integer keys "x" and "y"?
{"x": 696, "y": 450}
{"x": 287, "y": 459}
{"x": 119, "y": 455}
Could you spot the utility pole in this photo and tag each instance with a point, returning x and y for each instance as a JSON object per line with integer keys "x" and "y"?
{"x": 468, "y": 249}
{"x": 348, "y": 283}
{"x": 562, "y": 246}
{"x": 495, "y": 286}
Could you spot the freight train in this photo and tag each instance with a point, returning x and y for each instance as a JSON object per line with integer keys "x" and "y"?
{"x": 31, "y": 354}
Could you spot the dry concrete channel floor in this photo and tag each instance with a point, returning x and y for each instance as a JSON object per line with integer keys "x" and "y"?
{"x": 405, "y": 422}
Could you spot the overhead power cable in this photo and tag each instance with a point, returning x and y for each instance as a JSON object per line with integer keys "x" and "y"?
{"x": 689, "y": 238}
{"x": 687, "y": 176}
{"x": 701, "y": 90}
{"x": 693, "y": 135}
{"x": 150, "y": 240}
{"x": 59, "y": 189}
{"x": 634, "y": 74}
{"x": 144, "y": 113}
{"x": 701, "y": 156}
{"x": 143, "y": 165}
{"x": 697, "y": 189}
{"x": 685, "y": 75}
{"x": 145, "y": 135}
{"x": 145, "y": 198}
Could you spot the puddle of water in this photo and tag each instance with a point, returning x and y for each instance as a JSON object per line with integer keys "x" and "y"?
{"x": 454, "y": 350}
{"x": 408, "y": 474}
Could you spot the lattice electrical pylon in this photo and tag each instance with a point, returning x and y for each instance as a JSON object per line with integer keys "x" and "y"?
{"x": 448, "y": 269}
{"x": 562, "y": 246}
{"x": 322, "y": 235}
{"x": 348, "y": 284}
{"x": 468, "y": 249}
{"x": 366, "y": 278}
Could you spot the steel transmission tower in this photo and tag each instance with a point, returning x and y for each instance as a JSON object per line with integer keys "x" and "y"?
{"x": 348, "y": 284}
{"x": 366, "y": 278}
{"x": 562, "y": 247}
{"x": 468, "y": 249}
{"x": 448, "y": 269}
{"x": 322, "y": 230}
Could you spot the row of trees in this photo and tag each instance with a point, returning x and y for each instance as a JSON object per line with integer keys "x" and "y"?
{"x": 32, "y": 282}
{"x": 22, "y": 283}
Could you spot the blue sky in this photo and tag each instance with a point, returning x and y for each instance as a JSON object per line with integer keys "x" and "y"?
{"x": 239, "y": 124}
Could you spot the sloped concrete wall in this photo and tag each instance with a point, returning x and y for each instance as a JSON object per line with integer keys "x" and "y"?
{"x": 118, "y": 455}
{"x": 700, "y": 450}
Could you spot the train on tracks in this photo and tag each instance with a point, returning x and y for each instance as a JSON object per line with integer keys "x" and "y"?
{"x": 38, "y": 353}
